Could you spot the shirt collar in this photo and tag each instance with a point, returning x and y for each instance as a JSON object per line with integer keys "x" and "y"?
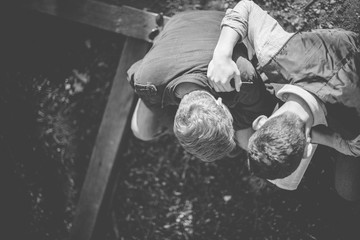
{"x": 318, "y": 110}
{"x": 316, "y": 106}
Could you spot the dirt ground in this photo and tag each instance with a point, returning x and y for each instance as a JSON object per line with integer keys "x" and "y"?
{"x": 55, "y": 80}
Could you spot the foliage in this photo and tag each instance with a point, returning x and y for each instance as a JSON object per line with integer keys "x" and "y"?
{"x": 55, "y": 82}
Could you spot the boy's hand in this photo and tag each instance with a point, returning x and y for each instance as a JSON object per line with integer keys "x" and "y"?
{"x": 220, "y": 73}
{"x": 348, "y": 147}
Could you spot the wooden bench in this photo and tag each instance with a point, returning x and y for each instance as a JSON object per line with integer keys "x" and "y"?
{"x": 136, "y": 25}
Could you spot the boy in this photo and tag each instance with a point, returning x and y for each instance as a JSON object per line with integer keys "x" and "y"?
{"x": 172, "y": 79}
{"x": 316, "y": 74}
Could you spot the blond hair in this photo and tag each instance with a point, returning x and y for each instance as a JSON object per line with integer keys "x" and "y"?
{"x": 204, "y": 127}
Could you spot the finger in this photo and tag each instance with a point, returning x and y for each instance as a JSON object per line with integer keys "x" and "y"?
{"x": 215, "y": 87}
{"x": 355, "y": 146}
{"x": 223, "y": 88}
{"x": 237, "y": 79}
{"x": 238, "y": 82}
{"x": 357, "y": 139}
{"x": 211, "y": 82}
{"x": 209, "y": 70}
{"x": 218, "y": 88}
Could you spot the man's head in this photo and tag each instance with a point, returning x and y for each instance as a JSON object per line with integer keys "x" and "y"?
{"x": 204, "y": 127}
{"x": 278, "y": 145}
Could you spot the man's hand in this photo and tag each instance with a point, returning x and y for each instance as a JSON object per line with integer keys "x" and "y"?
{"x": 326, "y": 136}
{"x": 221, "y": 71}
{"x": 347, "y": 147}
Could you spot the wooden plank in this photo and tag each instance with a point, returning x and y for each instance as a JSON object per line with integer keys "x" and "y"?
{"x": 137, "y": 25}
{"x": 110, "y": 137}
{"x": 124, "y": 20}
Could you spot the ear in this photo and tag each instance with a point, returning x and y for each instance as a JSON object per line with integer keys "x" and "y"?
{"x": 308, "y": 150}
{"x": 259, "y": 121}
{"x": 308, "y": 133}
{"x": 309, "y": 147}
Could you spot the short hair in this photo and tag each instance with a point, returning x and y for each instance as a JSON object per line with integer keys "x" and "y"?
{"x": 276, "y": 149}
{"x": 204, "y": 127}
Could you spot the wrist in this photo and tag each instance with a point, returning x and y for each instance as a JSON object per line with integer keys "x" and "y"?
{"x": 341, "y": 144}
{"x": 223, "y": 52}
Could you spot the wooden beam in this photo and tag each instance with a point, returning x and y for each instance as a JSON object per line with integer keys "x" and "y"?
{"x": 136, "y": 25}
{"x": 110, "y": 137}
{"x": 124, "y": 20}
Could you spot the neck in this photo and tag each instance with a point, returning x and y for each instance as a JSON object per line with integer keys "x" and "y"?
{"x": 298, "y": 106}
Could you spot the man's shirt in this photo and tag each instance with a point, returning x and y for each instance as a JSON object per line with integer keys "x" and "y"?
{"x": 323, "y": 62}
{"x": 258, "y": 30}
{"x": 181, "y": 54}
{"x": 264, "y": 35}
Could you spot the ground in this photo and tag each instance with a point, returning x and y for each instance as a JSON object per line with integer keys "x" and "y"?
{"x": 55, "y": 80}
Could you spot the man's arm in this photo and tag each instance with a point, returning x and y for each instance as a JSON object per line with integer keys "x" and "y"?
{"x": 222, "y": 68}
{"x": 260, "y": 32}
{"x": 327, "y": 137}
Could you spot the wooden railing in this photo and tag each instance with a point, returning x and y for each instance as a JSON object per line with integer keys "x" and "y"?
{"x": 136, "y": 25}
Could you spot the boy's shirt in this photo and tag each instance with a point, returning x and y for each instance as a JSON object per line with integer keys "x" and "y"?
{"x": 318, "y": 111}
{"x": 323, "y": 62}
{"x": 264, "y": 35}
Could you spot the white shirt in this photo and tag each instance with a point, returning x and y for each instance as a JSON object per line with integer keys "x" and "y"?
{"x": 318, "y": 111}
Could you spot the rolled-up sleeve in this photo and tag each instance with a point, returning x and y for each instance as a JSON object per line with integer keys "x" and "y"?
{"x": 237, "y": 21}
{"x": 257, "y": 29}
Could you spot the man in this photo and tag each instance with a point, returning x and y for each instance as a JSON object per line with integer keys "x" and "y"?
{"x": 316, "y": 75}
{"x": 171, "y": 79}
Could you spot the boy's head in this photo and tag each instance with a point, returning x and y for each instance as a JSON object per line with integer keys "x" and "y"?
{"x": 277, "y": 147}
{"x": 204, "y": 127}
